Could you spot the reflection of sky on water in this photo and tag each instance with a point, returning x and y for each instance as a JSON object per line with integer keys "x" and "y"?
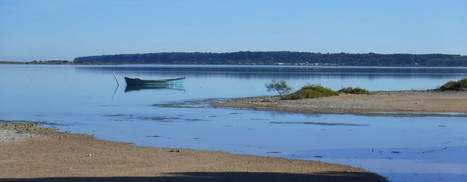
{"x": 82, "y": 99}
{"x": 379, "y": 78}
{"x": 280, "y": 72}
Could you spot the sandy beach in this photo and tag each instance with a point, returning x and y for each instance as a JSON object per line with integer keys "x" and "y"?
{"x": 405, "y": 103}
{"x": 28, "y": 153}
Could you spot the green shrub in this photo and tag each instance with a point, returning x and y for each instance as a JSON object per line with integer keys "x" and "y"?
{"x": 311, "y": 91}
{"x": 455, "y": 85}
{"x": 451, "y": 85}
{"x": 351, "y": 90}
{"x": 280, "y": 87}
{"x": 463, "y": 83}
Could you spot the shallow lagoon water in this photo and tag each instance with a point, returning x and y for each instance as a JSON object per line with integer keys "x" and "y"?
{"x": 86, "y": 99}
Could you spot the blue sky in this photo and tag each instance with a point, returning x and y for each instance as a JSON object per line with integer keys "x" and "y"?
{"x": 65, "y": 29}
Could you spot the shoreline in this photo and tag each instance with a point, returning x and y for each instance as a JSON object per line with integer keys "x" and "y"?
{"x": 29, "y": 153}
{"x": 382, "y": 103}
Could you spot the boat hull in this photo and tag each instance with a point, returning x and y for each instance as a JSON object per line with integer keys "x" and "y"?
{"x": 137, "y": 81}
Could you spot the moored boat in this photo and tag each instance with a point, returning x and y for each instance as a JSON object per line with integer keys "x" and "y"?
{"x": 138, "y": 81}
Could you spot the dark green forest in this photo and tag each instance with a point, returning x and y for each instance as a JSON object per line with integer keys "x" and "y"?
{"x": 280, "y": 57}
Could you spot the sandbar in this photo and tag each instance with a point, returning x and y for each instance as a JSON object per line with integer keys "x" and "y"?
{"x": 28, "y": 153}
{"x": 394, "y": 103}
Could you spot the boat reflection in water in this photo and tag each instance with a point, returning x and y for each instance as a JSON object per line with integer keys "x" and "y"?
{"x": 130, "y": 88}
{"x": 138, "y": 81}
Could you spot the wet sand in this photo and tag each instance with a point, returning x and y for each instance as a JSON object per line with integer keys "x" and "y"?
{"x": 395, "y": 103}
{"x": 28, "y": 153}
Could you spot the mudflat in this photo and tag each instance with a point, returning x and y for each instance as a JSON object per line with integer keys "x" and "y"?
{"x": 412, "y": 102}
{"x": 28, "y": 153}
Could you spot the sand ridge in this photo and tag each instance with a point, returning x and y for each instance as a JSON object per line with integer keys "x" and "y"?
{"x": 412, "y": 102}
{"x": 56, "y": 156}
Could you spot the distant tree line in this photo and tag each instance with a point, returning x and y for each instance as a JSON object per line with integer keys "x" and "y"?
{"x": 39, "y": 62}
{"x": 54, "y": 62}
{"x": 280, "y": 57}
{"x": 50, "y": 62}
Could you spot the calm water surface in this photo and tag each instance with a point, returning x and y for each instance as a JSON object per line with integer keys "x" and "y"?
{"x": 86, "y": 99}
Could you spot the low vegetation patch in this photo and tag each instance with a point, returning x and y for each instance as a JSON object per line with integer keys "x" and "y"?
{"x": 310, "y": 91}
{"x": 351, "y": 90}
{"x": 454, "y": 85}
